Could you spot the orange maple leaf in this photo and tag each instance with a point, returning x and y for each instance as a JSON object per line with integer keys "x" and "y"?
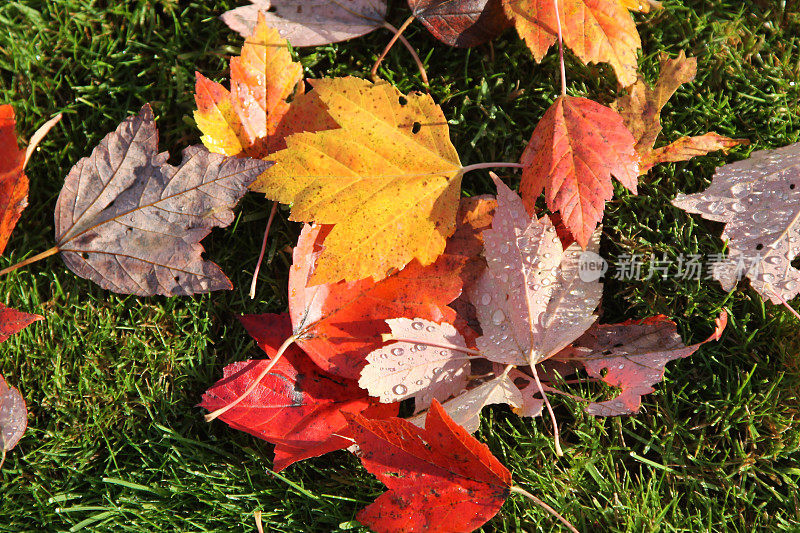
{"x": 13, "y": 182}
{"x": 245, "y": 119}
{"x": 598, "y": 31}
{"x": 573, "y": 152}
{"x": 388, "y": 178}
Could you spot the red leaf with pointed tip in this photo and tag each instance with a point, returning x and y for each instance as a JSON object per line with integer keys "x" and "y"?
{"x": 634, "y": 354}
{"x": 461, "y": 23}
{"x": 13, "y": 182}
{"x": 573, "y": 152}
{"x": 13, "y": 321}
{"x": 340, "y": 323}
{"x": 440, "y": 479}
{"x": 296, "y": 406}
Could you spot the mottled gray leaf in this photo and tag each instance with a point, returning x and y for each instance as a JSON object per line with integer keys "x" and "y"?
{"x": 633, "y": 355}
{"x": 13, "y": 417}
{"x": 530, "y": 302}
{"x": 465, "y": 409}
{"x": 132, "y": 223}
{"x": 310, "y": 22}
{"x": 758, "y": 199}
{"x": 414, "y": 367}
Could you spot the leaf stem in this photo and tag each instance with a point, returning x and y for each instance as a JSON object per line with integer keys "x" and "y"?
{"x": 38, "y": 136}
{"x": 559, "y": 451}
{"x": 47, "y": 253}
{"x": 387, "y": 337}
{"x": 263, "y": 249}
{"x": 544, "y": 506}
{"x": 222, "y": 410}
{"x": 781, "y": 300}
{"x": 413, "y": 52}
{"x": 480, "y": 166}
{"x": 374, "y": 72}
{"x": 561, "y": 52}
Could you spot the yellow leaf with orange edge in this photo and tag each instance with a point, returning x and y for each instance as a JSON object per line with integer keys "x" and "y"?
{"x": 388, "y": 178}
{"x": 245, "y": 119}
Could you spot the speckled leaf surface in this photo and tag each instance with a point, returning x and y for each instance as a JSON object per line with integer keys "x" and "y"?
{"x": 13, "y": 416}
{"x": 310, "y": 22}
{"x": 465, "y": 409}
{"x": 132, "y": 223}
{"x": 415, "y": 367}
{"x": 758, "y": 199}
{"x": 440, "y": 479}
{"x": 632, "y": 357}
{"x": 530, "y": 302}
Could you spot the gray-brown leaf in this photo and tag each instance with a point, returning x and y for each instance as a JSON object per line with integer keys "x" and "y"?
{"x": 13, "y": 416}
{"x": 758, "y": 199}
{"x": 132, "y": 223}
{"x": 310, "y": 22}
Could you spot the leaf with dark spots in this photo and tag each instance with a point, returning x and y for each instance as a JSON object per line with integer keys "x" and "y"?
{"x": 632, "y": 356}
{"x": 461, "y": 23}
{"x": 132, "y": 223}
{"x": 440, "y": 479}
{"x": 296, "y": 406}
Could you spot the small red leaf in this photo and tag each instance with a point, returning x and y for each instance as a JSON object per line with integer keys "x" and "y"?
{"x": 440, "y": 479}
{"x": 13, "y": 321}
{"x": 461, "y": 23}
{"x": 296, "y": 406}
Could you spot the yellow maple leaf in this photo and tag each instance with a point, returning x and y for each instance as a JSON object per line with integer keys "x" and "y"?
{"x": 598, "y": 31}
{"x": 388, "y": 178}
{"x": 244, "y": 119}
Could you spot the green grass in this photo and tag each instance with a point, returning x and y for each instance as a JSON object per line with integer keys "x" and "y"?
{"x": 115, "y": 441}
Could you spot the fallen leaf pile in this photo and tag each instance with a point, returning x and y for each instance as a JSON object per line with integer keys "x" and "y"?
{"x": 400, "y": 290}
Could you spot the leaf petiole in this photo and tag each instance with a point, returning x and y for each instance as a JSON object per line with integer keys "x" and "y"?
{"x": 410, "y": 48}
{"x": 374, "y": 72}
{"x": 47, "y": 253}
{"x": 222, "y": 410}
{"x": 263, "y": 249}
{"x": 543, "y": 505}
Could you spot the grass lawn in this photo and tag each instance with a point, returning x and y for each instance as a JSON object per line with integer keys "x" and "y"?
{"x": 115, "y": 441}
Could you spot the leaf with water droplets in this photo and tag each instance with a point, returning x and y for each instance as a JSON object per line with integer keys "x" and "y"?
{"x": 132, "y": 223}
{"x": 641, "y": 111}
{"x": 419, "y": 364}
{"x": 531, "y": 301}
{"x": 13, "y": 418}
{"x": 310, "y": 22}
{"x": 633, "y": 355}
{"x": 296, "y": 406}
{"x": 573, "y": 152}
{"x": 465, "y": 409}
{"x": 758, "y": 199}
{"x": 338, "y": 324}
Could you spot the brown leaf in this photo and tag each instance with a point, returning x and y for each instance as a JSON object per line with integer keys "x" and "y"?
{"x": 758, "y": 199}
{"x": 132, "y": 223}
{"x": 461, "y": 23}
{"x": 686, "y": 148}
{"x": 13, "y": 417}
{"x": 633, "y": 355}
{"x": 310, "y": 22}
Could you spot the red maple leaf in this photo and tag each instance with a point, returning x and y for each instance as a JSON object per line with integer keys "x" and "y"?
{"x": 440, "y": 479}
{"x": 296, "y": 406}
